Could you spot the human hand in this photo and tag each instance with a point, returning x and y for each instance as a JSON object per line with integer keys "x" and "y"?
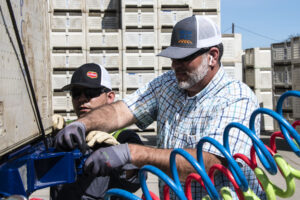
{"x": 70, "y": 137}
{"x": 104, "y": 160}
{"x": 58, "y": 122}
{"x": 98, "y": 137}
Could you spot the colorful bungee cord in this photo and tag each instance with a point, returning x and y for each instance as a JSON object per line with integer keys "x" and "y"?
{"x": 268, "y": 156}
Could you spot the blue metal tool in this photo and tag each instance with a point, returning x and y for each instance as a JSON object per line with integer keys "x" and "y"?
{"x": 37, "y": 168}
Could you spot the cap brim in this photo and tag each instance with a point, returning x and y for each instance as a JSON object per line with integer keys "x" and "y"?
{"x": 69, "y": 87}
{"x": 177, "y": 52}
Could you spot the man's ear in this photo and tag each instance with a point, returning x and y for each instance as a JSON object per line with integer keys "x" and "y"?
{"x": 213, "y": 56}
{"x": 110, "y": 97}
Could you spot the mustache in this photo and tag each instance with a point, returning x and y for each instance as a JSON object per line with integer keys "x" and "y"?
{"x": 180, "y": 71}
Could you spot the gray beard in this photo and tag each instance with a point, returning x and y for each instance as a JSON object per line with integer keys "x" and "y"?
{"x": 196, "y": 76}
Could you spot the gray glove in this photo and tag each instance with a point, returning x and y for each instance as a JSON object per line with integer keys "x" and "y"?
{"x": 105, "y": 160}
{"x": 71, "y": 137}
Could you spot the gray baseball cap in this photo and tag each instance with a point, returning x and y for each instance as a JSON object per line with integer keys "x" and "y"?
{"x": 190, "y": 35}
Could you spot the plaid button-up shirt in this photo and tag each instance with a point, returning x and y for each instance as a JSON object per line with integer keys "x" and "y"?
{"x": 182, "y": 121}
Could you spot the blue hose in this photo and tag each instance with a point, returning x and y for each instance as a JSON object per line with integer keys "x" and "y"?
{"x": 200, "y": 170}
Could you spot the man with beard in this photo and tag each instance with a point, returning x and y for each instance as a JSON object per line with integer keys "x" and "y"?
{"x": 195, "y": 99}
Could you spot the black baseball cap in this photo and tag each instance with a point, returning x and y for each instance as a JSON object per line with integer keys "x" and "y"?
{"x": 90, "y": 75}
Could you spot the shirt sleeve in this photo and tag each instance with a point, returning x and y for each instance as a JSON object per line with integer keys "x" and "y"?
{"x": 239, "y": 111}
{"x": 143, "y": 103}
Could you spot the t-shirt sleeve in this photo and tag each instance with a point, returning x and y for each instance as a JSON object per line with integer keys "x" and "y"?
{"x": 239, "y": 111}
{"x": 143, "y": 103}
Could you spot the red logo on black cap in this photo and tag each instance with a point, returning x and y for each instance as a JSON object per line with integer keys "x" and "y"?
{"x": 92, "y": 74}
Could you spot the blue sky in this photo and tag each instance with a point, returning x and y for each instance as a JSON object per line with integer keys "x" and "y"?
{"x": 275, "y": 20}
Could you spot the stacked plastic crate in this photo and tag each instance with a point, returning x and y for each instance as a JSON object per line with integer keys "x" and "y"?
{"x": 282, "y": 76}
{"x": 232, "y": 55}
{"x": 68, "y": 49}
{"x": 258, "y": 75}
{"x": 296, "y": 75}
{"x": 104, "y": 38}
{"x": 81, "y": 32}
{"x": 139, "y": 30}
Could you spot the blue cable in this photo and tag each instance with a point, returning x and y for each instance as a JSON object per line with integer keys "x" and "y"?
{"x": 265, "y": 157}
{"x": 294, "y": 133}
{"x": 154, "y": 170}
{"x": 233, "y": 165}
{"x": 120, "y": 193}
{"x": 283, "y": 97}
{"x": 283, "y": 123}
{"x": 210, "y": 188}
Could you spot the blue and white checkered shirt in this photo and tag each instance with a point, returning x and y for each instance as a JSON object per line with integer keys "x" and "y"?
{"x": 182, "y": 120}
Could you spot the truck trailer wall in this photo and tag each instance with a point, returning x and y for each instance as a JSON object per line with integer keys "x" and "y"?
{"x": 18, "y": 121}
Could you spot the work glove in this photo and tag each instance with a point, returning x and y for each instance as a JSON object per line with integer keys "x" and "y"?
{"x": 104, "y": 160}
{"x": 58, "y": 122}
{"x": 71, "y": 137}
{"x": 98, "y": 137}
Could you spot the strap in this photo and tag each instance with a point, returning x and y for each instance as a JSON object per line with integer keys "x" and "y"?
{"x": 117, "y": 133}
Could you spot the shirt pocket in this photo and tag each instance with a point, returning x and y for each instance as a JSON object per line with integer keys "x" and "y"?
{"x": 187, "y": 140}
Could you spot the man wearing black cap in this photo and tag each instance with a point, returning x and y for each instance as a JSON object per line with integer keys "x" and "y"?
{"x": 90, "y": 88}
{"x": 193, "y": 100}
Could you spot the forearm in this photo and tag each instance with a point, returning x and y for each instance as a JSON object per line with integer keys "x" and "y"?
{"x": 160, "y": 158}
{"x": 108, "y": 118}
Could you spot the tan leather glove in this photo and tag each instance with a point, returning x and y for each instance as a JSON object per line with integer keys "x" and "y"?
{"x": 99, "y": 137}
{"x": 58, "y": 122}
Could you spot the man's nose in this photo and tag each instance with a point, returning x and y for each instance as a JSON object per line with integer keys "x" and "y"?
{"x": 176, "y": 63}
{"x": 82, "y": 97}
